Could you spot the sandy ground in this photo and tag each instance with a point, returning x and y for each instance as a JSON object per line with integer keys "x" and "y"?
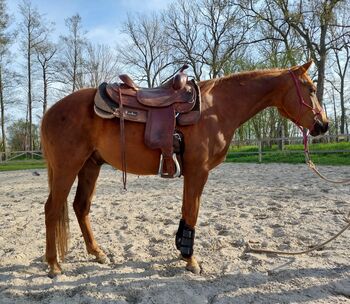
{"x": 278, "y": 206}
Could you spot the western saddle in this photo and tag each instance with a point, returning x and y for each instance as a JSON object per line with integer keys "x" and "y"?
{"x": 177, "y": 102}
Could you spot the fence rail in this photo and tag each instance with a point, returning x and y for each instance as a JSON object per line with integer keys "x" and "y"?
{"x": 284, "y": 142}
{"x": 19, "y": 155}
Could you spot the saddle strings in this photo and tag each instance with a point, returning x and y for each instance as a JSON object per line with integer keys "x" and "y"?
{"x": 122, "y": 139}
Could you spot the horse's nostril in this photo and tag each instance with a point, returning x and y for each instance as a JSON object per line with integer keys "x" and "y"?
{"x": 320, "y": 128}
{"x": 325, "y": 127}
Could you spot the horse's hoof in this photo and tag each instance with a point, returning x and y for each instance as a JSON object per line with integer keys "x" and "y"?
{"x": 102, "y": 258}
{"x": 54, "y": 271}
{"x": 193, "y": 267}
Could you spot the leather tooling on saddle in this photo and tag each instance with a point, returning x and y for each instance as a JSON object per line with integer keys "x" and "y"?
{"x": 177, "y": 102}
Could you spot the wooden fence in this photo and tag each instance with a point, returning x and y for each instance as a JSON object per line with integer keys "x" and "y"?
{"x": 282, "y": 142}
{"x": 19, "y": 155}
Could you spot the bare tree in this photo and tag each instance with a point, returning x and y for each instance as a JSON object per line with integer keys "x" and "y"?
{"x": 341, "y": 69}
{"x": 312, "y": 21}
{"x": 101, "y": 65}
{"x": 71, "y": 63}
{"x": 33, "y": 33}
{"x": 45, "y": 53}
{"x": 210, "y": 35}
{"x": 4, "y": 45}
{"x": 147, "y": 53}
{"x": 183, "y": 28}
{"x": 224, "y": 30}
{"x": 271, "y": 33}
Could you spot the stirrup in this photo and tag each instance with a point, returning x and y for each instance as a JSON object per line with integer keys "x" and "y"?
{"x": 177, "y": 165}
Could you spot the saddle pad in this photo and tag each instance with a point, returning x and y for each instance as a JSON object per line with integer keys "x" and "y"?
{"x": 108, "y": 109}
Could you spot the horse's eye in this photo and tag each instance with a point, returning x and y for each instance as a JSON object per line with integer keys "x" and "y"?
{"x": 312, "y": 90}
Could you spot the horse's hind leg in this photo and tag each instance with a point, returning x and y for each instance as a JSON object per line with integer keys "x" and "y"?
{"x": 86, "y": 186}
{"x": 56, "y": 218}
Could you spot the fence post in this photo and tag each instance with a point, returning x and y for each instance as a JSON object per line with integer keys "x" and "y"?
{"x": 260, "y": 150}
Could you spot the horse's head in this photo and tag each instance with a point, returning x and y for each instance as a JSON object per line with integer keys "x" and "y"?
{"x": 300, "y": 103}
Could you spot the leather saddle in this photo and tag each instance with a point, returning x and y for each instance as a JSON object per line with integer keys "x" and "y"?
{"x": 177, "y": 102}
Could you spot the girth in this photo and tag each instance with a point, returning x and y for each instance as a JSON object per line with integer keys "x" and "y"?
{"x": 161, "y": 109}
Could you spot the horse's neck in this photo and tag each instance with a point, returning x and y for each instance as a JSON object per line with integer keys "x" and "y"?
{"x": 237, "y": 98}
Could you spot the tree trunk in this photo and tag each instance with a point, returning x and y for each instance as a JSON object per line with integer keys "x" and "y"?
{"x": 45, "y": 91}
{"x": 321, "y": 64}
{"x": 29, "y": 75}
{"x": 2, "y": 106}
{"x": 30, "y": 114}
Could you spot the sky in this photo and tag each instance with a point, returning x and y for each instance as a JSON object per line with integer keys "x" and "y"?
{"x": 102, "y": 19}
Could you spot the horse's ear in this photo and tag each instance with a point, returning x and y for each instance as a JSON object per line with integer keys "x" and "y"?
{"x": 307, "y": 65}
{"x": 303, "y": 68}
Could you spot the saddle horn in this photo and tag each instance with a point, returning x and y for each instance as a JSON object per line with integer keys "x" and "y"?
{"x": 180, "y": 78}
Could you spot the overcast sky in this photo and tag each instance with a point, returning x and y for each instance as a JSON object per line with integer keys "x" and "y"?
{"x": 100, "y": 18}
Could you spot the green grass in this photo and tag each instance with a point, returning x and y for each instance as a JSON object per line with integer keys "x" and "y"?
{"x": 293, "y": 154}
{"x": 22, "y": 165}
{"x": 298, "y": 147}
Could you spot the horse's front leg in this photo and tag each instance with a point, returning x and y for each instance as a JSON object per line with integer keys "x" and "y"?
{"x": 193, "y": 186}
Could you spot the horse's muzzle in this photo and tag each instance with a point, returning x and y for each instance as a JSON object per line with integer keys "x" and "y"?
{"x": 320, "y": 128}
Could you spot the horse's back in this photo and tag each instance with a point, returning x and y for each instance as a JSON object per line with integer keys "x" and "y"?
{"x": 71, "y": 107}
{"x": 68, "y": 125}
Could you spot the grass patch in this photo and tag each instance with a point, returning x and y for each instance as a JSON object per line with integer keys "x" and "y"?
{"x": 22, "y": 165}
{"x": 321, "y": 154}
{"x": 295, "y": 147}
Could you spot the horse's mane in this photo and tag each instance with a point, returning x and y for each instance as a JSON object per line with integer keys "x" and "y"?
{"x": 240, "y": 76}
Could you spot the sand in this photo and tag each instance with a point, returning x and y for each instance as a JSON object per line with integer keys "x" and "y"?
{"x": 277, "y": 206}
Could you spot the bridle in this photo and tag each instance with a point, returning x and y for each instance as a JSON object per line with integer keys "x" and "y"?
{"x": 317, "y": 113}
{"x": 302, "y": 103}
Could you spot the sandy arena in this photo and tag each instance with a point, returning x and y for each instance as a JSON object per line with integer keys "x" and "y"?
{"x": 276, "y": 206}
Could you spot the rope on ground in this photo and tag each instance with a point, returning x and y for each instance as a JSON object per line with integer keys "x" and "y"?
{"x": 313, "y": 167}
{"x": 249, "y": 249}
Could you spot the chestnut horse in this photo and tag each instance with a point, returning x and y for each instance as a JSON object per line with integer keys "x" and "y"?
{"x": 76, "y": 142}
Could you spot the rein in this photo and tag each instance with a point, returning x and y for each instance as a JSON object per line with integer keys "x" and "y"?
{"x": 312, "y": 167}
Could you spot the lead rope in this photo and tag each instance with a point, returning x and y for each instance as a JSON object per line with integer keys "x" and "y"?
{"x": 311, "y": 165}
{"x": 249, "y": 249}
